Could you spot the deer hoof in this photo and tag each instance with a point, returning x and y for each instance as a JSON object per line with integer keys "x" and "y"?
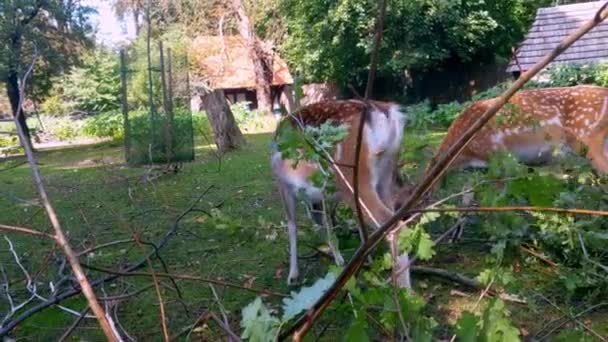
{"x": 293, "y": 279}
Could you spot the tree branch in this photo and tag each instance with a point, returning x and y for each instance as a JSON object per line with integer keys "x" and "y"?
{"x": 25, "y": 231}
{"x": 187, "y": 277}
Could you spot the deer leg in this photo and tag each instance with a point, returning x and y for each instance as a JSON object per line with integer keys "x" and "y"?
{"x": 331, "y": 237}
{"x": 597, "y": 152}
{"x": 289, "y": 203}
{"x": 401, "y": 263}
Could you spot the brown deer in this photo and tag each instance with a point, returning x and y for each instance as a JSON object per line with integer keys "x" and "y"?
{"x": 377, "y": 167}
{"x": 536, "y": 124}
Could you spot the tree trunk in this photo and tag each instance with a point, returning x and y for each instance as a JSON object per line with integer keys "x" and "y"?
{"x": 262, "y": 67}
{"x": 12, "y": 91}
{"x": 287, "y": 99}
{"x": 227, "y": 134}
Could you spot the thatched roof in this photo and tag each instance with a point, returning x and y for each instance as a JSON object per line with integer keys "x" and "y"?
{"x": 552, "y": 25}
{"x": 225, "y": 64}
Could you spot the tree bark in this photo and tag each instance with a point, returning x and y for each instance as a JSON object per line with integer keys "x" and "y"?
{"x": 12, "y": 91}
{"x": 262, "y": 67}
{"x": 227, "y": 134}
{"x": 12, "y": 82}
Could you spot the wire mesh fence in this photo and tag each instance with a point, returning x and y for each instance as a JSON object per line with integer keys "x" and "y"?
{"x": 155, "y": 105}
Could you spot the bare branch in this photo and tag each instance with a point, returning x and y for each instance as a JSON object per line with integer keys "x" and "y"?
{"x": 25, "y": 231}
{"x": 74, "y": 325}
{"x": 188, "y": 277}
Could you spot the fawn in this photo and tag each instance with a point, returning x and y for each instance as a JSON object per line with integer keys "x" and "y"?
{"x": 377, "y": 167}
{"x": 534, "y": 125}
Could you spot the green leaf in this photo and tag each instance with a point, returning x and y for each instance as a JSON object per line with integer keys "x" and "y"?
{"x": 467, "y": 327}
{"x": 425, "y": 249}
{"x": 497, "y": 325}
{"x": 540, "y": 190}
{"x": 257, "y": 323}
{"x": 307, "y": 296}
{"x": 357, "y": 332}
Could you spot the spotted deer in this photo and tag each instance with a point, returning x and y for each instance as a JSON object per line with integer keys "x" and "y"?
{"x": 534, "y": 125}
{"x": 377, "y": 167}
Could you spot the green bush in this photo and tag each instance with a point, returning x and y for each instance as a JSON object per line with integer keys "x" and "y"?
{"x": 53, "y": 105}
{"x": 149, "y": 142}
{"x": 419, "y": 115}
{"x": 8, "y": 141}
{"x": 201, "y": 125}
{"x": 63, "y": 128}
{"x": 241, "y": 112}
{"x": 108, "y": 124}
{"x": 422, "y": 117}
{"x": 567, "y": 75}
{"x": 446, "y": 113}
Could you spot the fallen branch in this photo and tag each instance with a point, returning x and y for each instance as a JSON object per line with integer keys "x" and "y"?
{"x": 231, "y": 335}
{"x": 74, "y": 325}
{"x": 187, "y": 277}
{"x": 301, "y": 327}
{"x": 569, "y": 319}
{"x": 574, "y": 318}
{"x": 29, "y": 231}
{"x": 451, "y": 276}
{"x": 75, "y": 291}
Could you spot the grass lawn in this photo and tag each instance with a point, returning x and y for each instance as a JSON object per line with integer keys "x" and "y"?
{"x": 242, "y": 241}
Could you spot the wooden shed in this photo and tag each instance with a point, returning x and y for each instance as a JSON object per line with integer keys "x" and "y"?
{"x": 551, "y": 26}
{"x": 224, "y": 63}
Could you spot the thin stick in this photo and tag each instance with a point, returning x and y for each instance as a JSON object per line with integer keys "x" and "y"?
{"x": 104, "y": 245}
{"x": 513, "y": 209}
{"x": 25, "y": 231}
{"x": 301, "y": 327}
{"x": 74, "y": 325}
{"x": 161, "y": 303}
{"x": 573, "y": 318}
{"x": 188, "y": 277}
{"x": 60, "y": 237}
{"x": 368, "y": 90}
{"x": 190, "y": 329}
{"x": 578, "y": 315}
{"x": 231, "y": 335}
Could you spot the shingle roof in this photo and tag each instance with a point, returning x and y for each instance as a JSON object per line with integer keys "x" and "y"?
{"x": 226, "y": 64}
{"x": 552, "y": 25}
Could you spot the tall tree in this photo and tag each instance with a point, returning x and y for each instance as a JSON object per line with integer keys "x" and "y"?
{"x": 52, "y": 30}
{"x": 135, "y": 8}
{"x": 262, "y": 63}
{"x": 331, "y": 40}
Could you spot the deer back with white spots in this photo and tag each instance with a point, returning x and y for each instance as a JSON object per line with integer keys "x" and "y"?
{"x": 377, "y": 167}
{"x": 535, "y": 126}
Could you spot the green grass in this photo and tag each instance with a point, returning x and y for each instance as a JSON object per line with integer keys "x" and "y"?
{"x": 100, "y": 200}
